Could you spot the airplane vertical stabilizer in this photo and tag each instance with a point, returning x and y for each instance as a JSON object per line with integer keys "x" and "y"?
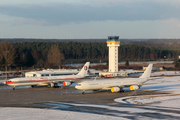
{"x": 84, "y": 70}
{"x": 147, "y": 72}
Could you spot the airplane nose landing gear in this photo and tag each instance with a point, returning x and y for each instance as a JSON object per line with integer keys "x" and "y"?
{"x": 83, "y": 92}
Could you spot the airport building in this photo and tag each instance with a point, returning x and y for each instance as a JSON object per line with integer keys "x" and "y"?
{"x": 51, "y": 72}
{"x": 113, "y": 43}
{"x": 113, "y": 74}
{"x": 154, "y": 68}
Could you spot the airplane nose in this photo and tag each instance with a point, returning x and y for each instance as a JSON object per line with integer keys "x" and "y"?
{"x": 76, "y": 86}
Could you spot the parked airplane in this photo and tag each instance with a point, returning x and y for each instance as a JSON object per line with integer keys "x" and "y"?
{"x": 50, "y": 81}
{"x": 116, "y": 85}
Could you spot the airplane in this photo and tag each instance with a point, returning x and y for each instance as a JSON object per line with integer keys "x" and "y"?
{"x": 50, "y": 81}
{"x": 116, "y": 85}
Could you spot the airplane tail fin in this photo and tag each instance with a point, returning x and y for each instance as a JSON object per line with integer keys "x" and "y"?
{"x": 147, "y": 72}
{"x": 84, "y": 69}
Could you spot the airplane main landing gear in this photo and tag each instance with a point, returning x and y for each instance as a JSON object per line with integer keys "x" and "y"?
{"x": 121, "y": 90}
{"x": 33, "y": 86}
{"x": 56, "y": 85}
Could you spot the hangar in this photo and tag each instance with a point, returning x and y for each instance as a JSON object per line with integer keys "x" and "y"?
{"x": 51, "y": 72}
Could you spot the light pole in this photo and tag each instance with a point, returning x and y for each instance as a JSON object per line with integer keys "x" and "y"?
{"x": 6, "y": 76}
{"x": 6, "y": 52}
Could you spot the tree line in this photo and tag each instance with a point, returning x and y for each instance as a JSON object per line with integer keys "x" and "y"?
{"x": 42, "y": 54}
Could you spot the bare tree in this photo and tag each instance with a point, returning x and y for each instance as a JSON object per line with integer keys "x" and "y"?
{"x": 55, "y": 56}
{"x": 7, "y": 52}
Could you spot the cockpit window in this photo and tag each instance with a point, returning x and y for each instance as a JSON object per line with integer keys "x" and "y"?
{"x": 78, "y": 84}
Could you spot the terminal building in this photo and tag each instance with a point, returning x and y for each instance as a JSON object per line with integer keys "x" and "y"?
{"x": 113, "y": 43}
{"x": 51, "y": 72}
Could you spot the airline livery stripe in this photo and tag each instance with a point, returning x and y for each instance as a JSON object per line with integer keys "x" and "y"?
{"x": 47, "y": 80}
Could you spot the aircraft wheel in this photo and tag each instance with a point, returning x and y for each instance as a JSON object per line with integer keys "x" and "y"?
{"x": 121, "y": 90}
{"x": 83, "y": 92}
{"x": 56, "y": 85}
{"x": 33, "y": 86}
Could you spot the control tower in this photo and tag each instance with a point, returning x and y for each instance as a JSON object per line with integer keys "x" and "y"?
{"x": 113, "y": 43}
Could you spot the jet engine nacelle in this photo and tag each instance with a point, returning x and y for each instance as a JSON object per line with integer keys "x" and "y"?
{"x": 50, "y": 85}
{"x": 134, "y": 87}
{"x": 115, "y": 89}
{"x": 66, "y": 83}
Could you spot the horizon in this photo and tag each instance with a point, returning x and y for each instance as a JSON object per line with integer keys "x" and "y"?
{"x": 94, "y": 38}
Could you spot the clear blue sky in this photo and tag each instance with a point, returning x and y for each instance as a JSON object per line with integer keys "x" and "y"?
{"x": 65, "y": 19}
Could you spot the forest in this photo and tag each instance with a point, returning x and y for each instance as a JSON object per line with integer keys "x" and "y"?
{"x": 35, "y": 53}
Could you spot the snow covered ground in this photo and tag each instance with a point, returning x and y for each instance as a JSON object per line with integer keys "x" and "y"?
{"x": 164, "y": 106}
{"x": 168, "y": 84}
{"x": 10, "y": 113}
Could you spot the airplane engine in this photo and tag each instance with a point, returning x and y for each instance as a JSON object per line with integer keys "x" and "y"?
{"x": 134, "y": 87}
{"x": 66, "y": 83}
{"x": 50, "y": 85}
{"x": 115, "y": 89}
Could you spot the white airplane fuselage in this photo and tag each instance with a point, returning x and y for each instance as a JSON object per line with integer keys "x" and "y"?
{"x": 42, "y": 80}
{"x": 108, "y": 84}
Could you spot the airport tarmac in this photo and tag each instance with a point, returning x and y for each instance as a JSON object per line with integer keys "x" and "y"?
{"x": 26, "y": 97}
{"x": 93, "y": 102}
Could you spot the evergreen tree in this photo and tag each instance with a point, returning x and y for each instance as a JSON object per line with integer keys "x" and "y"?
{"x": 127, "y": 62}
{"x": 176, "y": 63}
{"x": 29, "y": 60}
{"x": 17, "y": 59}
